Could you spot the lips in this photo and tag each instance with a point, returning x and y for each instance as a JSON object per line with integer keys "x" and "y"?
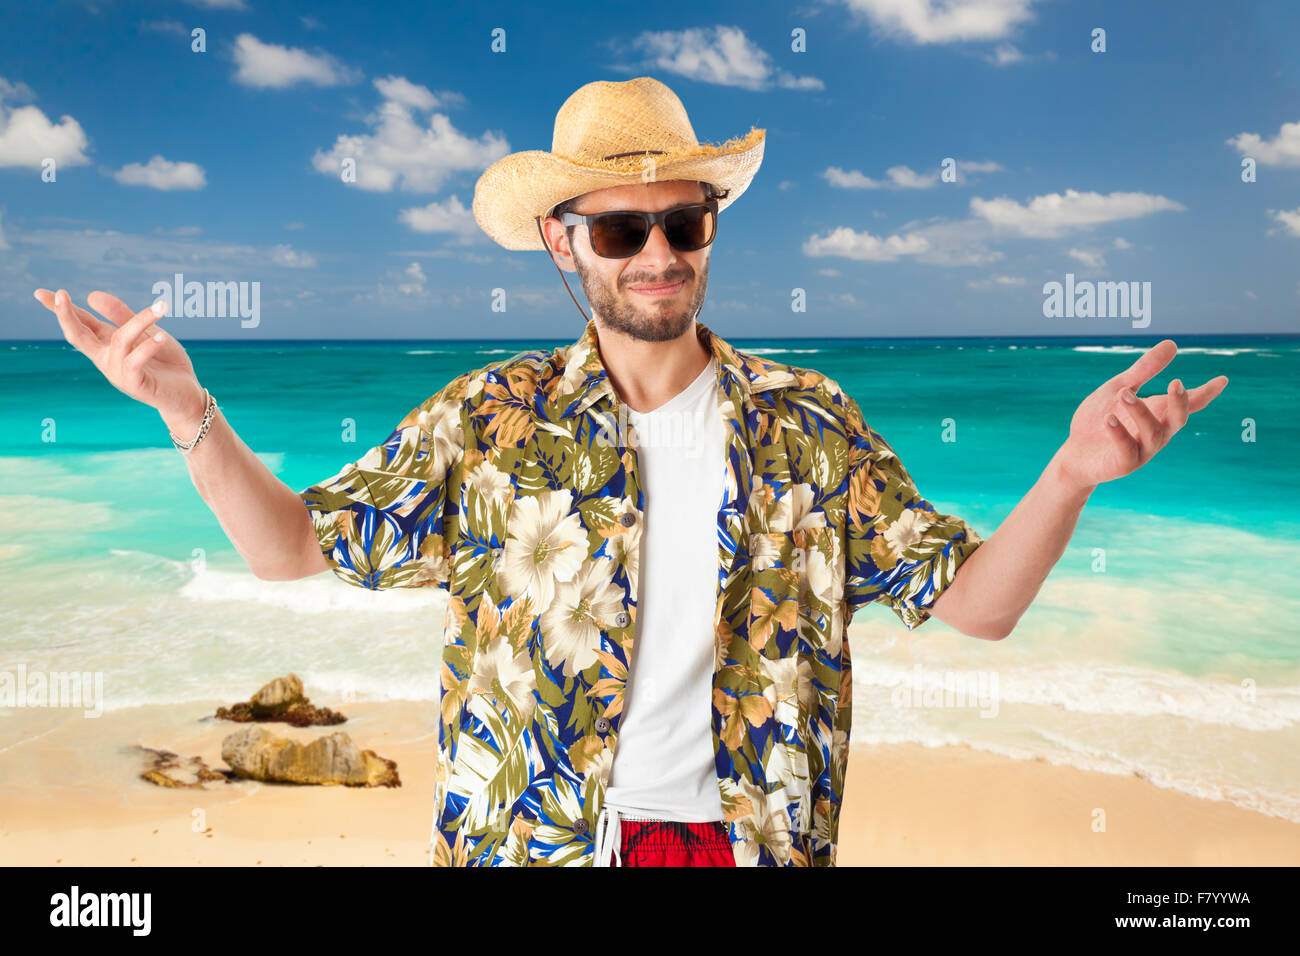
{"x": 667, "y": 289}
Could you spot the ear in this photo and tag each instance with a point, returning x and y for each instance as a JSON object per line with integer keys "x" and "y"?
{"x": 556, "y": 239}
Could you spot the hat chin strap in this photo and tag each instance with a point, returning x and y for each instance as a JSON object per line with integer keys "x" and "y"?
{"x": 546, "y": 245}
{"x": 538, "y": 220}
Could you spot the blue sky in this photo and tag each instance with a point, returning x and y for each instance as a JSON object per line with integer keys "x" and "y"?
{"x": 1123, "y": 165}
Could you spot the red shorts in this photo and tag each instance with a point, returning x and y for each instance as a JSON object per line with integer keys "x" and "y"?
{"x": 674, "y": 843}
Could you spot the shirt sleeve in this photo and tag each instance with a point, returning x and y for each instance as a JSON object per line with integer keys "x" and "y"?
{"x": 381, "y": 520}
{"x": 900, "y": 550}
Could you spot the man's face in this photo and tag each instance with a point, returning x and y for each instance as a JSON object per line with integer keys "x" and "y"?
{"x": 612, "y": 285}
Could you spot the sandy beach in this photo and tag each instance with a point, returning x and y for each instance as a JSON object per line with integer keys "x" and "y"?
{"x": 904, "y": 805}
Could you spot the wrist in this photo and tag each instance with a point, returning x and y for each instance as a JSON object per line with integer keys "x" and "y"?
{"x": 183, "y": 421}
{"x": 1065, "y": 480}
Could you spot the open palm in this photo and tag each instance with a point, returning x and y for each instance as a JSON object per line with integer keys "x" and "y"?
{"x": 155, "y": 371}
{"x": 1098, "y": 451}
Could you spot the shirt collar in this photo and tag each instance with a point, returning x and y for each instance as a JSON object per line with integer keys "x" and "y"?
{"x": 745, "y": 378}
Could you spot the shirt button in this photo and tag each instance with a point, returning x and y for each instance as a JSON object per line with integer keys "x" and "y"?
{"x": 622, "y": 619}
{"x": 496, "y": 553}
{"x": 602, "y": 725}
{"x": 580, "y": 826}
{"x": 627, "y": 519}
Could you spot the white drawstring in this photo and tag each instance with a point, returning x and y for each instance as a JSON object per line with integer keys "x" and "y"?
{"x": 607, "y": 839}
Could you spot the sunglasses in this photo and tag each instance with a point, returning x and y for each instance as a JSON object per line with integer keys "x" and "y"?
{"x": 622, "y": 233}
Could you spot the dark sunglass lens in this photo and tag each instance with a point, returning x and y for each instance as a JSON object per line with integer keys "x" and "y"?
{"x": 690, "y": 228}
{"x": 617, "y": 236}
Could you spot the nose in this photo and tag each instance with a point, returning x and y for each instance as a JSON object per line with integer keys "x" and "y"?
{"x": 657, "y": 254}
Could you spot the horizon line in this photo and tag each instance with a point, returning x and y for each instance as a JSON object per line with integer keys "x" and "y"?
{"x": 1154, "y": 337}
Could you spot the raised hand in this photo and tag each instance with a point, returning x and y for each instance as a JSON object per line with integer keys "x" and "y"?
{"x": 1115, "y": 431}
{"x": 138, "y": 357}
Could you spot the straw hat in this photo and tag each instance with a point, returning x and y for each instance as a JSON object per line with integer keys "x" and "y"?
{"x": 608, "y": 134}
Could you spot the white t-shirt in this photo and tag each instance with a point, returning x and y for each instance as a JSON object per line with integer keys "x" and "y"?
{"x": 663, "y": 759}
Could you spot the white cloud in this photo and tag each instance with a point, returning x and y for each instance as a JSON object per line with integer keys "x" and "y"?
{"x": 109, "y": 255}
{"x": 219, "y": 4}
{"x": 401, "y": 90}
{"x": 1054, "y": 214}
{"x": 1251, "y": 295}
{"x": 904, "y": 177}
{"x": 967, "y": 242}
{"x": 268, "y": 66}
{"x": 898, "y": 177}
{"x": 449, "y": 216}
{"x": 415, "y": 286}
{"x": 943, "y": 21}
{"x": 28, "y": 137}
{"x": 962, "y": 242}
{"x": 401, "y": 152}
{"x": 1005, "y": 55}
{"x": 1122, "y": 243}
{"x": 15, "y": 92}
{"x": 978, "y": 166}
{"x": 1092, "y": 258}
{"x": 163, "y": 174}
{"x": 996, "y": 282}
{"x": 831, "y": 273}
{"x": 460, "y": 255}
{"x": 1282, "y": 150}
{"x": 174, "y": 27}
{"x": 290, "y": 258}
{"x": 863, "y": 246}
{"x": 1289, "y": 218}
{"x": 401, "y": 288}
{"x": 721, "y": 55}
{"x": 3, "y": 245}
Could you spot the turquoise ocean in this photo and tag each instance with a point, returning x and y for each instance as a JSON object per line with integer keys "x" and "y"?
{"x": 1178, "y": 659}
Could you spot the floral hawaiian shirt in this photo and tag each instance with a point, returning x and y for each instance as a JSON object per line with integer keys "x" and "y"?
{"x": 515, "y": 488}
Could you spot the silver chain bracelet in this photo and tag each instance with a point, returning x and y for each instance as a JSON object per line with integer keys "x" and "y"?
{"x": 208, "y": 413}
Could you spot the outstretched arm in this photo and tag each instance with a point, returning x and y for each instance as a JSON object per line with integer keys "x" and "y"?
{"x": 263, "y": 518}
{"x": 1113, "y": 433}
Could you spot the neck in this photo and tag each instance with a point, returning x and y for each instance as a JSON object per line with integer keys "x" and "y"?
{"x": 647, "y": 374}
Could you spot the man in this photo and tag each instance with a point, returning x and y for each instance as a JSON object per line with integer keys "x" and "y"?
{"x": 638, "y": 523}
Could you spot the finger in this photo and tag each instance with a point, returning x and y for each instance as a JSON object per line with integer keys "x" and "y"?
{"x": 142, "y": 353}
{"x": 130, "y": 332}
{"x": 78, "y": 336}
{"x": 1149, "y": 430}
{"x": 1130, "y": 451}
{"x": 102, "y": 331}
{"x": 110, "y": 307}
{"x": 1202, "y": 395}
{"x": 1148, "y": 365}
{"x": 1176, "y": 417}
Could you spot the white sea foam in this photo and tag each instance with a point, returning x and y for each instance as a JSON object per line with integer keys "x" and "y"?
{"x": 320, "y": 594}
{"x": 1115, "y": 690}
{"x": 428, "y": 352}
{"x": 34, "y": 514}
{"x": 1139, "y": 349}
{"x": 324, "y": 688}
